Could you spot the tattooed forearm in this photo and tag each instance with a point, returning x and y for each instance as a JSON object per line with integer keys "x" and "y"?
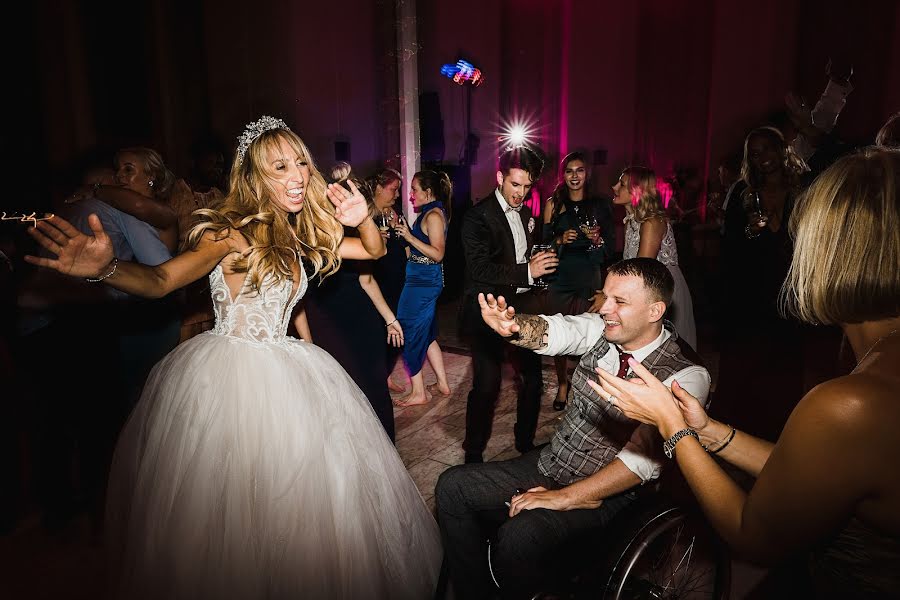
{"x": 532, "y": 332}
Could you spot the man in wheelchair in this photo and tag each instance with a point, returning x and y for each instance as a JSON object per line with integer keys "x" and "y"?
{"x": 546, "y": 510}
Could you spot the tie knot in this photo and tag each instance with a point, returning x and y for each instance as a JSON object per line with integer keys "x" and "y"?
{"x": 623, "y": 364}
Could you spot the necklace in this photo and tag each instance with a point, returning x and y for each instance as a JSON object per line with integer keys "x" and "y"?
{"x": 872, "y": 347}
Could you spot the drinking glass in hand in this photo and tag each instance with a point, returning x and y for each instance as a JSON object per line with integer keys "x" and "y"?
{"x": 589, "y": 228}
{"x": 535, "y": 250}
{"x": 753, "y": 206}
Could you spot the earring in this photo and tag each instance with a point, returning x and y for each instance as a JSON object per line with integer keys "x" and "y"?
{"x": 150, "y": 183}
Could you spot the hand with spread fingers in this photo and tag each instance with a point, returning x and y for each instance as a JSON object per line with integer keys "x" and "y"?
{"x": 541, "y": 497}
{"x": 497, "y": 315}
{"x": 77, "y": 254}
{"x": 650, "y": 401}
{"x": 350, "y": 207}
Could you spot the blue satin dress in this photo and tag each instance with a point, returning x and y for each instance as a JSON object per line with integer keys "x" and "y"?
{"x": 416, "y": 310}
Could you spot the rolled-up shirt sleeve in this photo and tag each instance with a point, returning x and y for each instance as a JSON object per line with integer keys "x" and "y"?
{"x": 572, "y": 334}
{"x": 642, "y": 454}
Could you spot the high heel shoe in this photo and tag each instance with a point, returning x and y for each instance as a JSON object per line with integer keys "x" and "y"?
{"x": 559, "y": 405}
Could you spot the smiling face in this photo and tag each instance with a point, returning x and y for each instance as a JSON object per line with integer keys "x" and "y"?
{"x": 386, "y": 195}
{"x": 132, "y": 173}
{"x": 515, "y": 186}
{"x": 632, "y": 315}
{"x": 621, "y": 191}
{"x": 288, "y": 175}
{"x": 575, "y": 174}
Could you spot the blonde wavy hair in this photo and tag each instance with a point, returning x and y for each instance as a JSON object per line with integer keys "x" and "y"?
{"x": 646, "y": 202}
{"x": 277, "y": 238}
{"x": 846, "y": 229}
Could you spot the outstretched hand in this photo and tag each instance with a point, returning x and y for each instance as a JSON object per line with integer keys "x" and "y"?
{"x": 77, "y": 254}
{"x": 650, "y": 401}
{"x": 350, "y": 207}
{"x": 497, "y": 315}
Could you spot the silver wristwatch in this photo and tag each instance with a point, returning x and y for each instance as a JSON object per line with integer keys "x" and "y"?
{"x": 669, "y": 445}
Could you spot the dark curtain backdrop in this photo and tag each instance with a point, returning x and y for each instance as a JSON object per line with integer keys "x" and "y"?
{"x": 668, "y": 82}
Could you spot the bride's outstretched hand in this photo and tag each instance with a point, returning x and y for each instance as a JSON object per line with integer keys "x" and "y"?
{"x": 350, "y": 207}
{"x": 77, "y": 254}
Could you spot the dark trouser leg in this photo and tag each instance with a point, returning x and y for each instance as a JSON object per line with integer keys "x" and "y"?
{"x": 529, "y": 384}
{"x": 470, "y": 505}
{"x": 487, "y": 357}
{"x": 536, "y": 547}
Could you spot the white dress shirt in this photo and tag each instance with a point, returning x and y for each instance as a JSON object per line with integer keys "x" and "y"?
{"x": 518, "y": 233}
{"x": 576, "y": 334}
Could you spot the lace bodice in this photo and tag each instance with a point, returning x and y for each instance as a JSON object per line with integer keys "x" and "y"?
{"x": 668, "y": 253}
{"x": 259, "y": 317}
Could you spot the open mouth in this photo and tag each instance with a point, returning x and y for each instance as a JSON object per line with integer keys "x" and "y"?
{"x": 296, "y": 195}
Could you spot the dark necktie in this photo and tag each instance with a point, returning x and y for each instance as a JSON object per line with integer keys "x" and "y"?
{"x": 623, "y": 364}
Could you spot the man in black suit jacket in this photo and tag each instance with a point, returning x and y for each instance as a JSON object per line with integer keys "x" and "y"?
{"x": 497, "y": 237}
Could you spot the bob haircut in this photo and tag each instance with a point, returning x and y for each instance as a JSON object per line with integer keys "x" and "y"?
{"x": 846, "y": 229}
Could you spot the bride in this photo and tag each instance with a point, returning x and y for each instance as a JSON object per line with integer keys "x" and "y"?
{"x": 253, "y": 466}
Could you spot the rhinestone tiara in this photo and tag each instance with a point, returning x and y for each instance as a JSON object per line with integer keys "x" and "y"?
{"x": 254, "y": 130}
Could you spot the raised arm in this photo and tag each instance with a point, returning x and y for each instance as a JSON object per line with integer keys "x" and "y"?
{"x": 351, "y": 210}
{"x": 81, "y": 255}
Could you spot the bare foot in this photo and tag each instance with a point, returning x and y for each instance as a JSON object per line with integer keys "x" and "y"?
{"x": 411, "y": 400}
{"x": 435, "y": 389}
{"x": 394, "y": 386}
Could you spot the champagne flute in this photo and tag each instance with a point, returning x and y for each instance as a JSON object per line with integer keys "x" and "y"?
{"x": 540, "y": 282}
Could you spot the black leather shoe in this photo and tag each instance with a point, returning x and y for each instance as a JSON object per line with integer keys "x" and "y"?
{"x": 524, "y": 448}
{"x": 559, "y": 405}
{"x": 474, "y": 457}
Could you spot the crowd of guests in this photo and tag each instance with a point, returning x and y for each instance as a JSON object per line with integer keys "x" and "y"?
{"x": 808, "y": 231}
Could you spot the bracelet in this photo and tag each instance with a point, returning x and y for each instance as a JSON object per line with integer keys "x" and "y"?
{"x": 392, "y": 322}
{"x": 114, "y": 263}
{"x": 707, "y": 447}
{"x": 748, "y": 232}
{"x": 669, "y": 445}
{"x": 728, "y": 441}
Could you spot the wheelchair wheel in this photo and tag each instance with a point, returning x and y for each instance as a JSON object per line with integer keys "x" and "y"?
{"x": 672, "y": 556}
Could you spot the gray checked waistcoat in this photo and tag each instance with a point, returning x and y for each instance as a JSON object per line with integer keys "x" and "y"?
{"x": 592, "y": 431}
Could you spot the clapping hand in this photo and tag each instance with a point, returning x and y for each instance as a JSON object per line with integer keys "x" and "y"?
{"x": 350, "y": 207}
{"x": 649, "y": 401}
{"x": 497, "y": 315}
{"x": 77, "y": 254}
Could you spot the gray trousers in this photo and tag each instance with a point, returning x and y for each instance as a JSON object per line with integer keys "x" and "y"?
{"x": 527, "y": 552}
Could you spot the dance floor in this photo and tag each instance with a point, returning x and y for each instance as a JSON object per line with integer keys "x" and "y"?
{"x": 68, "y": 564}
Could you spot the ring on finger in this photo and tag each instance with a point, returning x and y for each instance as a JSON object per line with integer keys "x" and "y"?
{"x": 612, "y": 399}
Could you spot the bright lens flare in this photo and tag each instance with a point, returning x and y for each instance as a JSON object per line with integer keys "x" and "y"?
{"x": 516, "y": 135}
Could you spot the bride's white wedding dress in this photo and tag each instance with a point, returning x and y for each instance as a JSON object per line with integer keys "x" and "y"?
{"x": 254, "y": 467}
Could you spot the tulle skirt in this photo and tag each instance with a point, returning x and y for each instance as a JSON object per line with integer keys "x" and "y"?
{"x": 259, "y": 470}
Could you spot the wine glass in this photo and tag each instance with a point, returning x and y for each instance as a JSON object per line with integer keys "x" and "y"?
{"x": 383, "y": 221}
{"x": 590, "y": 226}
{"x": 535, "y": 250}
{"x": 753, "y": 206}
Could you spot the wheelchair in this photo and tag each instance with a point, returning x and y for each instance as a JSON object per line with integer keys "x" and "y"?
{"x": 661, "y": 547}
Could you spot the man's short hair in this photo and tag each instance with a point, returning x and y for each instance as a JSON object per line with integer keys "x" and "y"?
{"x": 521, "y": 158}
{"x": 656, "y": 276}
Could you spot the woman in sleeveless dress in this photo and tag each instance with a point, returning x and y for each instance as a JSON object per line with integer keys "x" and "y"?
{"x": 431, "y": 193}
{"x": 648, "y": 233}
{"x": 253, "y": 466}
